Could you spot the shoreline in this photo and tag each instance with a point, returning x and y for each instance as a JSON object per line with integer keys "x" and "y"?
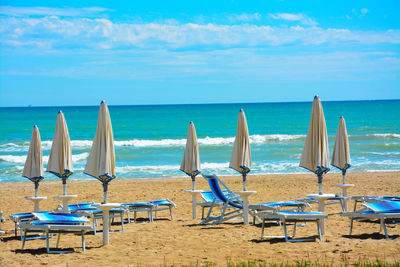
{"x": 183, "y": 241}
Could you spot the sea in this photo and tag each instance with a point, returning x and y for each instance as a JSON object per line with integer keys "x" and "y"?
{"x": 150, "y": 139}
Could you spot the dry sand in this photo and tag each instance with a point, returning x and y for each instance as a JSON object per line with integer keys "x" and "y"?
{"x": 184, "y": 242}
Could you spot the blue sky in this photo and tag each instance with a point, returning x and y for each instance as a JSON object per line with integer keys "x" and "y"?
{"x": 179, "y": 52}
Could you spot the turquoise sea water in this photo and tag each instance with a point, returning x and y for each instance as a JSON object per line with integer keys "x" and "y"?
{"x": 150, "y": 140}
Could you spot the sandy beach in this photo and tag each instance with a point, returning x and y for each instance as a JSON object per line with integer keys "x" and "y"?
{"x": 183, "y": 242}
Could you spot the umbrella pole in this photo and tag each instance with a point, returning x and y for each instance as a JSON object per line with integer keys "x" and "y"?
{"x": 193, "y": 182}
{"x": 64, "y": 181}
{"x": 105, "y": 189}
{"x": 320, "y": 183}
{"x": 244, "y": 182}
{"x": 36, "y": 188}
{"x": 344, "y": 176}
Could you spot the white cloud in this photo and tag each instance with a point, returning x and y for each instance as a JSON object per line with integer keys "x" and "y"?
{"x": 244, "y": 17}
{"x": 53, "y": 32}
{"x": 364, "y": 11}
{"x": 51, "y": 11}
{"x": 300, "y": 17}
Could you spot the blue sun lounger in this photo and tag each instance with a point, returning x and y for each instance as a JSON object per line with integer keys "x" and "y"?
{"x": 228, "y": 199}
{"x": 292, "y": 217}
{"x": 50, "y": 223}
{"x": 19, "y": 218}
{"x": 382, "y": 211}
{"x": 331, "y": 201}
{"x": 150, "y": 207}
{"x": 89, "y": 210}
{"x": 372, "y": 199}
{"x": 162, "y": 204}
{"x": 138, "y": 207}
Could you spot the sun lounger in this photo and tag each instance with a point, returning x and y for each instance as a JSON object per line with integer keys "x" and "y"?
{"x": 90, "y": 210}
{"x": 291, "y": 205}
{"x": 162, "y": 204}
{"x": 291, "y": 217}
{"x": 138, "y": 207}
{"x": 19, "y": 218}
{"x": 332, "y": 200}
{"x": 50, "y": 223}
{"x": 382, "y": 211}
{"x": 372, "y": 199}
{"x": 150, "y": 207}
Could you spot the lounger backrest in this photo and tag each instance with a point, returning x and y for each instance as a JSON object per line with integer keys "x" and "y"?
{"x": 384, "y": 207}
{"x": 218, "y": 193}
{"x": 208, "y": 196}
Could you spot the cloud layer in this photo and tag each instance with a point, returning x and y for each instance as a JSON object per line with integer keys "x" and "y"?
{"x": 56, "y": 32}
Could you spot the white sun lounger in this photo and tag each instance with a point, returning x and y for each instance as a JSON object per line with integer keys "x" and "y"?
{"x": 50, "y": 223}
{"x": 292, "y": 216}
{"x": 382, "y": 211}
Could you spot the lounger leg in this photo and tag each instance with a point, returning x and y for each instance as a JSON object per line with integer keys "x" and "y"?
{"x": 129, "y": 218}
{"x": 58, "y": 240}
{"x": 202, "y": 213}
{"x": 20, "y": 232}
{"x": 94, "y": 226}
{"x": 23, "y": 239}
{"x": 351, "y": 226}
{"x": 319, "y": 230}
{"x": 262, "y": 229}
{"x": 343, "y": 202}
{"x": 47, "y": 242}
{"x": 83, "y": 242}
{"x": 384, "y": 228}
{"x": 122, "y": 222}
{"x": 294, "y": 229}
{"x": 170, "y": 212}
{"x": 285, "y": 230}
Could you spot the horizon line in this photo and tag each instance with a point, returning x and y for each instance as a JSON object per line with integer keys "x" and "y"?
{"x": 187, "y": 104}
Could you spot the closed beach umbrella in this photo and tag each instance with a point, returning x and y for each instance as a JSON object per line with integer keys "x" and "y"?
{"x": 315, "y": 155}
{"x": 60, "y": 160}
{"x": 33, "y": 169}
{"x": 101, "y": 161}
{"x": 241, "y": 155}
{"x": 341, "y": 149}
{"x": 191, "y": 159}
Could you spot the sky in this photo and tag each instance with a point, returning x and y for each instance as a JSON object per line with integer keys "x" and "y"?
{"x": 67, "y": 53}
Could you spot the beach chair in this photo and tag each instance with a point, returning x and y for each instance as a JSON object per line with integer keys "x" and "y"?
{"x": 90, "y": 210}
{"x": 138, "y": 207}
{"x": 382, "y": 211}
{"x": 228, "y": 200}
{"x": 51, "y": 223}
{"x": 208, "y": 198}
{"x": 294, "y": 217}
